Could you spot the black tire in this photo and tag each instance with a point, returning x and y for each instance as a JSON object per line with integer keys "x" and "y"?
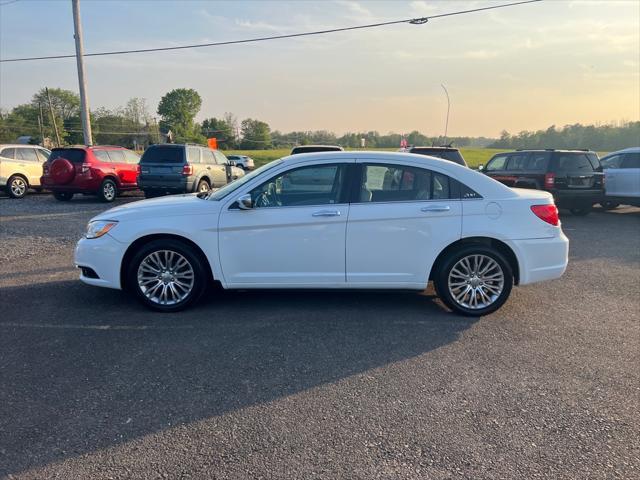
{"x": 63, "y": 196}
{"x": 608, "y": 205}
{"x": 17, "y": 186}
{"x": 108, "y": 191}
{"x": 203, "y": 186}
{"x": 195, "y": 261}
{"x": 581, "y": 211}
{"x": 441, "y": 279}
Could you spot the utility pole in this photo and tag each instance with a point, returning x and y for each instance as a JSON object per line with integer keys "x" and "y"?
{"x": 41, "y": 124}
{"x": 446, "y": 125}
{"x": 84, "y": 101}
{"x": 53, "y": 117}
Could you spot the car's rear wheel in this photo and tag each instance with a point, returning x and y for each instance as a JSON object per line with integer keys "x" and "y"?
{"x": 581, "y": 211}
{"x": 17, "y": 186}
{"x": 609, "y": 205}
{"x": 203, "y": 186}
{"x": 475, "y": 280}
{"x": 63, "y": 196}
{"x": 167, "y": 275}
{"x": 108, "y": 190}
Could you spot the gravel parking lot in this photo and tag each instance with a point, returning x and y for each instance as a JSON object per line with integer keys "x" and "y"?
{"x": 316, "y": 385}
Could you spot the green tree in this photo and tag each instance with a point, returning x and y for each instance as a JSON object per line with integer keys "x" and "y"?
{"x": 255, "y": 135}
{"x": 178, "y": 109}
{"x": 221, "y": 130}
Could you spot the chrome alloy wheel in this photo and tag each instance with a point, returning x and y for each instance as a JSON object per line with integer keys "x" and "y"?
{"x": 476, "y": 281}
{"x": 109, "y": 191}
{"x": 165, "y": 277}
{"x": 203, "y": 187}
{"x": 18, "y": 187}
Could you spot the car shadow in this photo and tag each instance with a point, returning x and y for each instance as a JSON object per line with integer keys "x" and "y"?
{"x": 84, "y": 369}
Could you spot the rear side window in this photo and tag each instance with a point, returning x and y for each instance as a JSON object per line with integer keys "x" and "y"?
{"x": 207, "y": 157}
{"x": 220, "y": 158}
{"x": 131, "y": 157}
{"x": 496, "y": 163}
{"x": 193, "y": 155}
{"x": 102, "y": 156}
{"x": 517, "y": 161}
{"x": 593, "y": 159}
{"x": 572, "y": 162}
{"x": 43, "y": 155}
{"x": 163, "y": 154}
{"x": 27, "y": 154}
{"x": 631, "y": 160}
{"x": 74, "y": 155}
{"x": 399, "y": 183}
{"x": 9, "y": 153}
{"x": 116, "y": 156}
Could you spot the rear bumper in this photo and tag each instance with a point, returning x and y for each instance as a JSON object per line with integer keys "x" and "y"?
{"x": 91, "y": 185}
{"x": 102, "y": 255}
{"x": 177, "y": 185}
{"x": 541, "y": 259}
{"x": 577, "y": 197}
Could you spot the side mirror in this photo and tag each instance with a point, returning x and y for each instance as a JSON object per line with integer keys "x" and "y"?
{"x": 231, "y": 163}
{"x": 245, "y": 202}
{"x": 480, "y": 167}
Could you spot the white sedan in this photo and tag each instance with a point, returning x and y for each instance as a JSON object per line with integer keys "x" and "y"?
{"x": 338, "y": 220}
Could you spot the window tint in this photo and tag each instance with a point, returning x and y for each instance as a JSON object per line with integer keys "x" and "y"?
{"x": 315, "y": 185}
{"x": 28, "y": 154}
{"x": 116, "y": 156}
{"x": 631, "y": 160}
{"x": 537, "y": 161}
{"x": 193, "y": 155}
{"x": 467, "y": 193}
{"x": 102, "y": 156}
{"x": 131, "y": 157}
{"x": 399, "y": 183}
{"x": 593, "y": 159}
{"x": 74, "y": 155}
{"x": 163, "y": 154}
{"x": 42, "y": 155}
{"x": 496, "y": 163}
{"x": 614, "y": 161}
{"x": 517, "y": 161}
{"x": 573, "y": 163}
{"x": 220, "y": 158}
{"x": 9, "y": 153}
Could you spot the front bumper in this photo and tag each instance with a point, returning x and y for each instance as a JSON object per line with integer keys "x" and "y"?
{"x": 102, "y": 255}
{"x": 541, "y": 258}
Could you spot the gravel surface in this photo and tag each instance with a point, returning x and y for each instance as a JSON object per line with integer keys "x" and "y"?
{"x": 316, "y": 385}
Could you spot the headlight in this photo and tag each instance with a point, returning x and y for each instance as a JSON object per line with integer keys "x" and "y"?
{"x": 98, "y": 228}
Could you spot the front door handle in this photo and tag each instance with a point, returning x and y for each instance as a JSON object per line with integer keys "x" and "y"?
{"x": 436, "y": 208}
{"x": 327, "y": 213}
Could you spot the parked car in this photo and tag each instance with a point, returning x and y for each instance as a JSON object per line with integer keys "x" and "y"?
{"x": 446, "y": 153}
{"x": 315, "y": 149}
{"x": 104, "y": 171}
{"x": 573, "y": 177}
{"x": 183, "y": 168}
{"x": 242, "y": 161}
{"x": 387, "y": 221}
{"x": 622, "y": 178}
{"x": 21, "y": 168}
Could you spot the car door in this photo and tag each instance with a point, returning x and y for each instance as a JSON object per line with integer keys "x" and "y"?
{"x": 213, "y": 170}
{"x": 8, "y": 164}
{"x": 29, "y": 164}
{"x": 629, "y": 177}
{"x": 129, "y": 168}
{"x": 221, "y": 164}
{"x": 294, "y": 236}
{"x": 400, "y": 220}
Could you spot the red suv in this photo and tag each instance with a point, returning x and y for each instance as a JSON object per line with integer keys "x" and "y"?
{"x": 103, "y": 170}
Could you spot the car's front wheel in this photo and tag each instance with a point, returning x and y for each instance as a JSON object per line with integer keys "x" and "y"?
{"x": 17, "y": 186}
{"x": 108, "y": 190}
{"x": 167, "y": 275}
{"x": 475, "y": 280}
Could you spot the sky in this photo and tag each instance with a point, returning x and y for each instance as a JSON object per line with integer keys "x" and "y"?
{"x": 526, "y": 67}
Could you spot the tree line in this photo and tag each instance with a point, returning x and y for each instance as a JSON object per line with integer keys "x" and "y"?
{"x": 134, "y": 126}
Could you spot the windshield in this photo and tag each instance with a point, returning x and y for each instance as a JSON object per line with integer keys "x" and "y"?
{"x": 233, "y": 186}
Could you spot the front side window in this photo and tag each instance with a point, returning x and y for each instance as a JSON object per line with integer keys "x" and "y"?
{"x": 614, "y": 161}
{"x": 313, "y": 185}
{"x": 631, "y": 160}
{"x": 220, "y": 158}
{"x": 102, "y": 156}
{"x": 497, "y": 163}
{"x": 400, "y": 183}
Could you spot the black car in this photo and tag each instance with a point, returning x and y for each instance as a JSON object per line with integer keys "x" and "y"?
{"x": 573, "y": 177}
{"x": 315, "y": 148}
{"x": 446, "y": 153}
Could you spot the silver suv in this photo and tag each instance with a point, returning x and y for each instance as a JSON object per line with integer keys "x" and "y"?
{"x": 183, "y": 168}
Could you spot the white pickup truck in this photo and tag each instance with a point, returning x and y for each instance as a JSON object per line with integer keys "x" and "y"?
{"x": 621, "y": 178}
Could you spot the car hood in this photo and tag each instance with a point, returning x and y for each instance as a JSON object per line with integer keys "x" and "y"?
{"x": 172, "y": 205}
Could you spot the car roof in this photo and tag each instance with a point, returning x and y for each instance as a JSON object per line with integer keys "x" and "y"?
{"x": 562, "y": 150}
{"x": 625, "y": 150}
{"x": 13, "y": 145}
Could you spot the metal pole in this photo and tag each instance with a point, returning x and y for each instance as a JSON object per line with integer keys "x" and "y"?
{"x": 53, "y": 117}
{"x": 446, "y": 125}
{"x": 41, "y": 124}
{"x": 84, "y": 100}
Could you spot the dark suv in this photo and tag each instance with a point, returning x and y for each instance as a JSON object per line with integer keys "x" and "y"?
{"x": 446, "y": 153}
{"x": 101, "y": 170}
{"x": 183, "y": 168}
{"x": 574, "y": 177}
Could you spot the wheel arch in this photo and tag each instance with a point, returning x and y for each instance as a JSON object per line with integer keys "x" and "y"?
{"x": 21, "y": 175}
{"x": 139, "y": 242}
{"x": 499, "y": 245}
{"x": 111, "y": 176}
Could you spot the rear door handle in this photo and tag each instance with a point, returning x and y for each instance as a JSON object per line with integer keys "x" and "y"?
{"x": 436, "y": 208}
{"x": 327, "y": 213}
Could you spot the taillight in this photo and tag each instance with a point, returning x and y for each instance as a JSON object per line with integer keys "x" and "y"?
{"x": 549, "y": 180}
{"x": 548, "y": 213}
{"x": 85, "y": 167}
{"x": 187, "y": 170}
{"x": 45, "y": 168}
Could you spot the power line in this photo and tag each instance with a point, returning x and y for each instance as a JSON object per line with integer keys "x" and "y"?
{"x": 413, "y": 21}
{"x": 8, "y": 3}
